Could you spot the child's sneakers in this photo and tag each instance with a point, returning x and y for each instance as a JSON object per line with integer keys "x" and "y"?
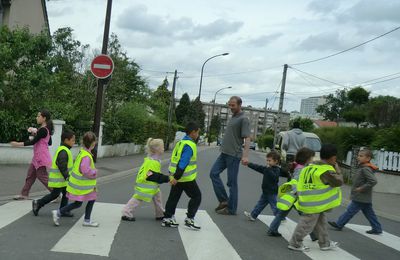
{"x": 248, "y": 215}
{"x": 189, "y": 222}
{"x": 169, "y": 222}
{"x": 126, "y": 218}
{"x": 56, "y": 217}
{"x": 301, "y": 248}
{"x": 332, "y": 245}
{"x": 90, "y": 224}
{"x": 35, "y": 207}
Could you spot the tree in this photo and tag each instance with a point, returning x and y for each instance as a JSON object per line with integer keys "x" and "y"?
{"x": 358, "y": 96}
{"x": 306, "y": 124}
{"x": 196, "y": 113}
{"x": 160, "y": 100}
{"x": 356, "y": 115}
{"x": 382, "y": 111}
{"x": 335, "y": 106}
{"x": 182, "y": 110}
{"x": 215, "y": 127}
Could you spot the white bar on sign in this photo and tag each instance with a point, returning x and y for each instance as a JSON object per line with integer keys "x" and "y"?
{"x": 207, "y": 243}
{"x": 92, "y": 240}
{"x": 385, "y": 238}
{"x": 102, "y": 66}
{"x": 12, "y": 211}
{"x": 286, "y": 229}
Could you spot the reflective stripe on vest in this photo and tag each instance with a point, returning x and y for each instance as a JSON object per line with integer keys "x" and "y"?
{"x": 190, "y": 172}
{"x": 78, "y": 183}
{"x": 56, "y": 179}
{"x": 144, "y": 189}
{"x": 313, "y": 195}
{"x": 286, "y": 201}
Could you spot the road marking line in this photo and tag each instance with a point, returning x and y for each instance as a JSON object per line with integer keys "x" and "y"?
{"x": 207, "y": 243}
{"x": 286, "y": 229}
{"x": 385, "y": 238}
{"x": 12, "y": 211}
{"x": 101, "y": 66}
{"x": 91, "y": 240}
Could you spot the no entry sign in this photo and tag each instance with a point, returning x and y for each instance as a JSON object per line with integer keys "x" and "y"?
{"x": 102, "y": 66}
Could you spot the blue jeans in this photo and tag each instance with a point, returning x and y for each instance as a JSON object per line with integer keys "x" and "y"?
{"x": 264, "y": 200}
{"x": 366, "y": 209}
{"x": 231, "y": 163}
{"x": 279, "y": 216}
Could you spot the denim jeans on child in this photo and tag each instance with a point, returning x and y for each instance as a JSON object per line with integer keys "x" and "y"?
{"x": 264, "y": 200}
{"x": 366, "y": 209}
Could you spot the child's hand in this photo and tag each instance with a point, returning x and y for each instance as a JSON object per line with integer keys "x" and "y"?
{"x": 173, "y": 181}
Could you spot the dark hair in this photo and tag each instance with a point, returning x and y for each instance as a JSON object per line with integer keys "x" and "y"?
{"x": 45, "y": 113}
{"x": 88, "y": 139}
{"x": 367, "y": 152}
{"x": 190, "y": 127}
{"x": 296, "y": 124}
{"x": 67, "y": 134}
{"x": 238, "y": 100}
{"x": 274, "y": 155}
{"x": 328, "y": 151}
{"x": 303, "y": 155}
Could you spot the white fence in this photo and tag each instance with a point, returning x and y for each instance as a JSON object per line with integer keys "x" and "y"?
{"x": 385, "y": 160}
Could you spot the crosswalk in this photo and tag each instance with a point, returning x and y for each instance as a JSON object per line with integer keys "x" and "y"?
{"x": 208, "y": 243}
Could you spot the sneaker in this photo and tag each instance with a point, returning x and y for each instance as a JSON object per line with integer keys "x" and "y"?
{"x": 334, "y": 225}
{"x": 248, "y": 215}
{"x": 67, "y": 214}
{"x": 274, "y": 234}
{"x": 169, "y": 222}
{"x": 373, "y": 232}
{"x": 332, "y": 245}
{"x": 189, "y": 222}
{"x": 125, "y": 218}
{"x": 35, "y": 207}
{"x": 222, "y": 205}
{"x": 20, "y": 197}
{"x": 56, "y": 218}
{"x": 90, "y": 224}
{"x": 302, "y": 248}
{"x": 224, "y": 211}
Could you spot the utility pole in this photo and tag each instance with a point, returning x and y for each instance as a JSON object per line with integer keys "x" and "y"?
{"x": 101, "y": 82}
{"x": 265, "y": 115}
{"x": 171, "y": 110}
{"x": 281, "y": 98}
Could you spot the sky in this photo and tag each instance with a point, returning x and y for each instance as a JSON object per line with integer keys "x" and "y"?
{"x": 260, "y": 36}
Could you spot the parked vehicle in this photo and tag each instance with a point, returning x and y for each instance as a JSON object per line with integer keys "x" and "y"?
{"x": 312, "y": 141}
{"x": 252, "y": 145}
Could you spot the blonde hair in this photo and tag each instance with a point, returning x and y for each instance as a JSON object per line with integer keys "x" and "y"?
{"x": 153, "y": 145}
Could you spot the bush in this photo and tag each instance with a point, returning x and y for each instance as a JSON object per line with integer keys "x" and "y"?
{"x": 389, "y": 139}
{"x": 265, "y": 141}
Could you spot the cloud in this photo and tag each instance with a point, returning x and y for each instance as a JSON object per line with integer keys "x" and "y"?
{"x": 263, "y": 40}
{"x": 65, "y": 11}
{"x": 323, "y": 7}
{"x": 137, "y": 19}
{"x": 329, "y": 41}
{"x": 373, "y": 11}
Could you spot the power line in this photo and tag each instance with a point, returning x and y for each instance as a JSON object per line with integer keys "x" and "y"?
{"x": 314, "y": 76}
{"x": 349, "y": 49}
{"x": 379, "y": 78}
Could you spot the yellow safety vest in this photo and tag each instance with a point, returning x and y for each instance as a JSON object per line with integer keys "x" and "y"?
{"x": 78, "y": 183}
{"x": 56, "y": 179}
{"x": 145, "y": 190}
{"x": 286, "y": 195}
{"x": 190, "y": 172}
{"x": 313, "y": 195}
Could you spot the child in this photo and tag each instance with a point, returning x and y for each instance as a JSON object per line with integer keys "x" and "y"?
{"x": 361, "y": 194}
{"x": 270, "y": 181}
{"x": 303, "y": 157}
{"x": 82, "y": 182}
{"x": 41, "y": 154}
{"x": 183, "y": 168}
{"x": 59, "y": 173}
{"x": 148, "y": 181}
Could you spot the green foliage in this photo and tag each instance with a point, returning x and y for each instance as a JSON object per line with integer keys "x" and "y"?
{"x": 358, "y": 96}
{"x": 306, "y": 124}
{"x": 335, "y": 106}
{"x": 215, "y": 128}
{"x": 265, "y": 141}
{"x": 389, "y": 139}
{"x": 356, "y": 115}
{"x": 181, "y": 111}
{"x": 383, "y": 111}
{"x": 196, "y": 113}
{"x": 160, "y": 100}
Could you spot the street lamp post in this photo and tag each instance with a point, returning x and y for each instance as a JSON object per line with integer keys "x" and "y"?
{"x": 212, "y": 112}
{"x": 202, "y": 69}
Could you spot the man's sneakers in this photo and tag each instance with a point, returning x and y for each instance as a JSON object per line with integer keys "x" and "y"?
{"x": 35, "y": 207}
{"x": 189, "y": 222}
{"x": 56, "y": 217}
{"x": 90, "y": 223}
{"x": 169, "y": 222}
{"x": 224, "y": 211}
{"x": 373, "y": 232}
{"x": 126, "y": 218}
{"x": 332, "y": 245}
{"x": 301, "y": 248}
{"x": 334, "y": 225}
{"x": 221, "y": 205}
{"x": 274, "y": 233}
{"x": 248, "y": 215}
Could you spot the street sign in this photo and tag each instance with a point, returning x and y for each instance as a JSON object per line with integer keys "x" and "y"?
{"x": 102, "y": 66}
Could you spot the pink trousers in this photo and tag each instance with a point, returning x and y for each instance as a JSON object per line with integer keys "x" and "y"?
{"x": 40, "y": 173}
{"x": 133, "y": 203}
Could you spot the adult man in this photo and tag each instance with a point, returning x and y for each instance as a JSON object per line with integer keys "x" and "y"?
{"x": 294, "y": 141}
{"x": 237, "y": 130}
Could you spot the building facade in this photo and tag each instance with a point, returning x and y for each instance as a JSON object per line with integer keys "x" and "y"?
{"x": 309, "y": 105}
{"x": 24, "y": 13}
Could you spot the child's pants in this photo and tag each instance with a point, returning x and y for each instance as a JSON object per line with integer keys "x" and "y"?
{"x": 78, "y": 204}
{"x": 40, "y": 173}
{"x": 133, "y": 203}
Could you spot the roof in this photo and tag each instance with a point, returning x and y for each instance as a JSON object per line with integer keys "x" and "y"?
{"x": 322, "y": 123}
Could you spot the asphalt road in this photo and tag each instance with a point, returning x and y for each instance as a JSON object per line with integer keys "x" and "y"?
{"x": 221, "y": 237}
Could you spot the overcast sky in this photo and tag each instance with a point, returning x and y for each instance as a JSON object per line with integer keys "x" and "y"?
{"x": 260, "y": 36}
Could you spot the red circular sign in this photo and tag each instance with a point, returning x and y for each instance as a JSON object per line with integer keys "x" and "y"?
{"x": 102, "y": 66}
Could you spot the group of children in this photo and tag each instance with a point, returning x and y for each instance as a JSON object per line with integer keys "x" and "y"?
{"x": 76, "y": 181}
